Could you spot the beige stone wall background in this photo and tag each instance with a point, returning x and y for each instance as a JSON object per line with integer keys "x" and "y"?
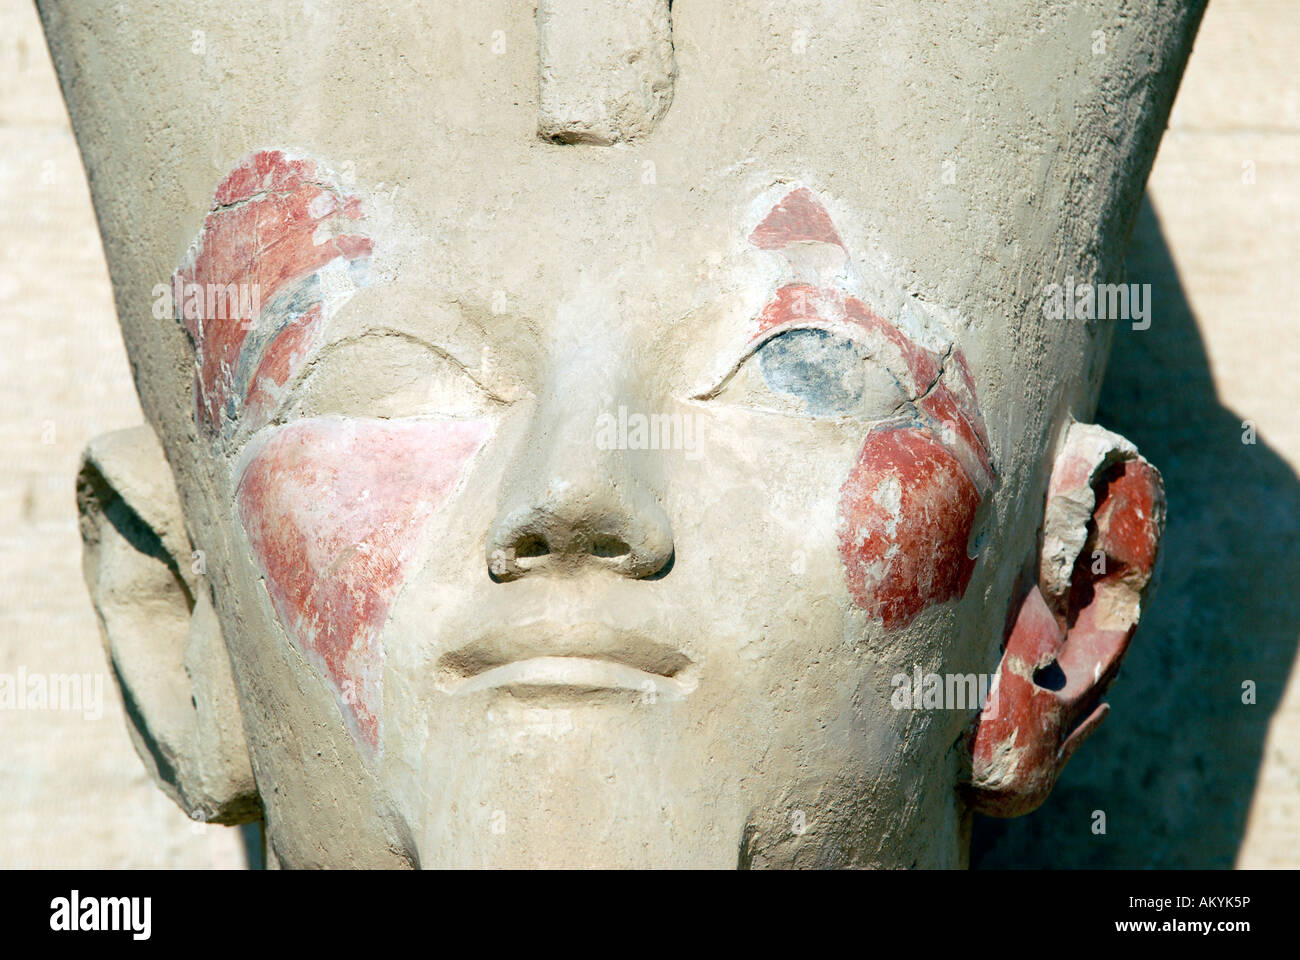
{"x": 72, "y": 791}
{"x": 1186, "y": 774}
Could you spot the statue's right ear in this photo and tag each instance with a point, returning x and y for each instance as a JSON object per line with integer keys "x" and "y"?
{"x": 160, "y": 630}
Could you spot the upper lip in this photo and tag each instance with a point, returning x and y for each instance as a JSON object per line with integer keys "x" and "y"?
{"x": 582, "y": 655}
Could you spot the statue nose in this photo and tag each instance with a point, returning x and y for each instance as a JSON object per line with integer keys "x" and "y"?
{"x": 582, "y": 523}
{"x": 570, "y": 502}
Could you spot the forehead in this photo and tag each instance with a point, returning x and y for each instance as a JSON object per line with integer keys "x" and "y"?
{"x": 598, "y": 212}
{"x": 466, "y": 203}
{"x": 614, "y": 241}
{"x": 957, "y": 175}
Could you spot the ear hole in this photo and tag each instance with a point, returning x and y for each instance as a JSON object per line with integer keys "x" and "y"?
{"x": 609, "y": 546}
{"x": 1050, "y": 677}
{"x": 532, "y": 546}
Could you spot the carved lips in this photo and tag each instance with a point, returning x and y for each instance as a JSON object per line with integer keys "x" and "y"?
{"x": 570, "y": 656}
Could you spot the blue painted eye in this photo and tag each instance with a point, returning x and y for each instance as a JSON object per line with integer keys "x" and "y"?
{"x": 822, "y": 370}
{"x": 819, "y": 373}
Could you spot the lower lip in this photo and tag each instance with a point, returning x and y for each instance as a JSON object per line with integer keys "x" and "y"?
{"x": 577, "y": 673}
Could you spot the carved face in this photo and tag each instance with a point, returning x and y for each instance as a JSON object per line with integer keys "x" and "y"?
{"x": 609, "y": 561}
{"x": 580, "y": 447}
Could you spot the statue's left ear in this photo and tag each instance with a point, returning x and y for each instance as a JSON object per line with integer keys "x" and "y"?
{"x": 1101, "y": 536}
{"x": 160, "y": 631}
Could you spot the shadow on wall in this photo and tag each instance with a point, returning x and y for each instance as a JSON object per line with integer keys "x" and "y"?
{"x": 1174, "y": 767}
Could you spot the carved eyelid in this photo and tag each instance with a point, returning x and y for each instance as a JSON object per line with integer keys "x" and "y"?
{"x": 342, "y": 343}
{"x": 244, "y": 439}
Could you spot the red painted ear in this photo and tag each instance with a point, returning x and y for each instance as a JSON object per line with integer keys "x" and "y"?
{"x": 1105, "y": 515}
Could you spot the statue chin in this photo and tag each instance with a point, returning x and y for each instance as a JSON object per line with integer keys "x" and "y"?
{"x": 628, "y": 448}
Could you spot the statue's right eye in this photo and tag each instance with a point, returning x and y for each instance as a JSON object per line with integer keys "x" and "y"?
{"x": 386, "y": 375}
{"x": 815, "y": 372}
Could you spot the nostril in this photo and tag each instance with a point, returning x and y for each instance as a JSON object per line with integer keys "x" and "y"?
{"x": 531, "y": 546}
{"x": 581, "y": 532}
{"x": 607, "y": 546}
{"x": 664, "y": 570}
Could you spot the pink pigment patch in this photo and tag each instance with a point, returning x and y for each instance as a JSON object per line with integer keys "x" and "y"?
{"x": 334, "y": 510}
{"x": 268, "y": 171}
{"x": 799, "y": 218}
{"x": 798, "y": 302}
{"x": 1127, "y": 515}
{"x": 906, "y": 511}
{"x": 1073, "y": 471}
{"x": 274, "y": 223}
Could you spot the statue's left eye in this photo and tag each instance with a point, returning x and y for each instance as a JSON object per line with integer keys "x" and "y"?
{"x": 815, "y": 372}
{"x": 819, "y": 368}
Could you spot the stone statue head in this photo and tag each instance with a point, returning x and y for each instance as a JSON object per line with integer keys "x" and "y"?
{"x": 612, "y": 435}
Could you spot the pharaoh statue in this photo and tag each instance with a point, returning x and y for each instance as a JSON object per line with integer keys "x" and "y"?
{"x": 595, "y": 433}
